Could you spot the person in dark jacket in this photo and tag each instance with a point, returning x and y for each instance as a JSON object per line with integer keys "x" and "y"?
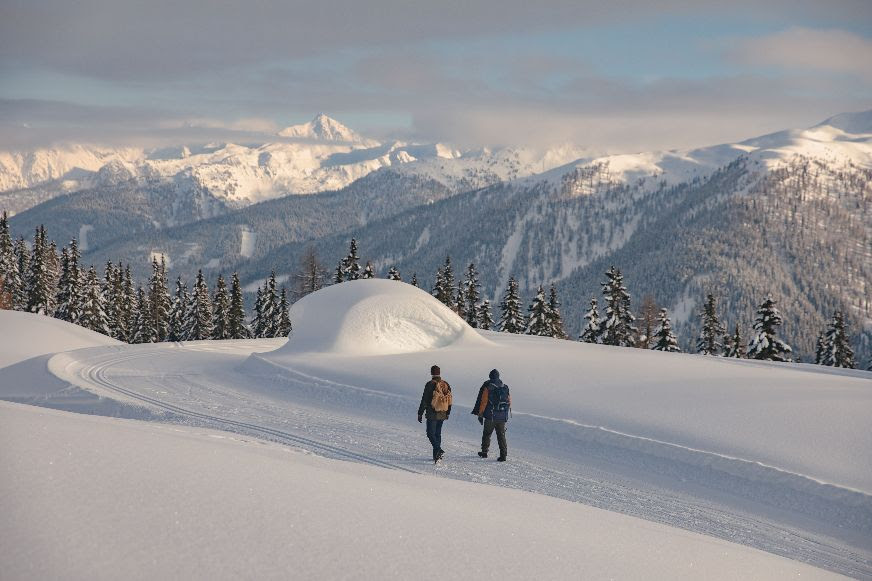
{"x": 434, "y": 417}
{"x": 492, "y": 407}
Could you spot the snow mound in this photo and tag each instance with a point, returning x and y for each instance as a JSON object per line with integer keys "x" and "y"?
{"x": 375, "y": 317}
{"x": 26, "y": 335}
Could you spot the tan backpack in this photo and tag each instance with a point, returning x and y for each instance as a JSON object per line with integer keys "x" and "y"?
{"x": 441, "y": 396}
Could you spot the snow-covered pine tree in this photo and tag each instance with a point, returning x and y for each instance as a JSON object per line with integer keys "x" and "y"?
{"x": 159, "y": 299}
{"x": 555, "y": 321}
{"x": 459, "y": 306}
{"x": 179, "y": 312}
{"x": 5, "y": 297}
{"x": 837, "y": 348}
{"x": 236, "y": 317}
{"x": 766, "y": 345}
{"x": 709, "y": 342}
{"x": 40, "y": 295}
{"x": 511, "y": 319}
{"x": 539, "y": 320}
{"x": 616, "y": 326}
{"x": 735, "y": 346}
{"x": 471, "y": 295}
{"x": 351, "y": 263}
{"x": 414, "y": 281}
{"x": 259, "y": 324}
{"x": 22, "y": 257}
{"x": 339, "y": 273}
{"x": 111, "y": 289}
{"x": 284, "y": 323}
{"x": 69, "y": 299}
{"x": 820, "y": 348}
{"x": 141, "y": 331}
{"x": 221, "y": 310}
{"x": 201, "y": 314}
{"x": 53, "y": 264}
{"x": 8, "y": 261}
{"x": 485, "y": 318}
{"x": 591, "y": 331}
{"x": 93, "y": 314}
{"x": 664, "y": 338}
{"x": 126, "y": 305}
{"x": 394, "y": 274}
{"x": 270, "y": 307}
{"x": 443, "y": 288}
{"x": 368, "y": 271}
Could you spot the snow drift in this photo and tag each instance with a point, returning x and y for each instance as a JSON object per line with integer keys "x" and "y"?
{"x": 375, "y": 317}
{"x": 26, "y": 335}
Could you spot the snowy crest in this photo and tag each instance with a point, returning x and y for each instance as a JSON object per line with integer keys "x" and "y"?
{"x": 375, "y": 317}
{"x": 322, "y": 128}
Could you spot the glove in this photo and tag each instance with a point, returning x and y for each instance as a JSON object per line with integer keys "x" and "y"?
{"x": 481, "y": 420}
{"x": 419, "y": 418}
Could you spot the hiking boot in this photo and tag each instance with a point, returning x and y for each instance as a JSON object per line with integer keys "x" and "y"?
{"x": 482, "y": 454}
{"x": 501, "y": 459}
{"x": 440, "y": 454}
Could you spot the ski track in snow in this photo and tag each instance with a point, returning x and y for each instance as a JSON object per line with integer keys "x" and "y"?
{"x": 212, "y": 385}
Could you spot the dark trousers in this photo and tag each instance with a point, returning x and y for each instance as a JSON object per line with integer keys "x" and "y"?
{"x": 434, "y": 434}
{"x": 489, "y": 427}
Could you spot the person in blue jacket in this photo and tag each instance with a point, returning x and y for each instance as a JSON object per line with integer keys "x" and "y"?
{"x": 493, "y": 408}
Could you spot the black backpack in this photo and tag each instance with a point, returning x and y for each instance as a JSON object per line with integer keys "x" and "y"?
{"x": 498, "y": 399}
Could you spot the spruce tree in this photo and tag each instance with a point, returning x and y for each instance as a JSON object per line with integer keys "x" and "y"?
{"x": 820, "y": 348}
{"x": 270, "y": 307}
{"x": 93, "y": 314}
{"x": 111, "y": 289}
{"x": 259, "y": 324}
{"x": 284, "y": 323}
{"x": 40, "y": 295}
{"x": 339, "y": 273}
{"x": 201, "y": 314}
{"x": 8, "y": 261}
{"x": 53, "y": 264}
{"x": 539, "y": 320}
{"x": 70, "y": 287}
{"x": 368, "y": 271}
{"x": 459, "y": 306}
{"x": 709, "y": 342}
{"x": 766, "y": 345}
{"x": 555, "y": 321}
{"x": 591, "y": 331}
{"x": 414, "y": 281}
{"x": 22, "y": 257}
{"x": 511, "y": 319}
{"x": 351, "y": 263}
{"x": 664, "y": 338}
{"x": 485, "y": 318}
{"x": 394, "y": 274}
{"x": 616, "y": 326}
{"x": 735, "y": 347}
{"x": 141, "y": 331}
{"x": 159, "y": 299}
{"x": 837, "y": 348}
{"x": 221, "y": 311}
{"x": 471, "y": 295}
{"x": 236, "y": 316}
{"x": 126, "y": 305}
{"x": 178, "y": 317}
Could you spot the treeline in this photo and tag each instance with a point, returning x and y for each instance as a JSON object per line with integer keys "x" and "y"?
{"x": 38, "y": 280}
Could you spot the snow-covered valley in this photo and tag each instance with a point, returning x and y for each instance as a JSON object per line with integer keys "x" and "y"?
{"x": 719, "y": 459}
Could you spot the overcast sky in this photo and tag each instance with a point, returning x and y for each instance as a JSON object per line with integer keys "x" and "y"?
{"x": 623, "y": 75}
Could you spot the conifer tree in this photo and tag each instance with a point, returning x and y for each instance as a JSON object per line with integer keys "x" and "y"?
{"x": 201, "y": 313}
{"x": 40, "y": 295}
{"x": 111, "y": 289}
{"x": 126, "y": 305}
{"x": 368, "y": 271}
{"x": 820, "y": 348}
{"x": 709, "y": 342}
{"x": 53, "y": 264}
{"x": 8, "y": 261}
{"x": 555, "y": 321}
{"x": 459, "y": 306}
{"x": 591, "y": 331}
{"x": 485, "y": 318}
{"x": 471, "y": 295}
{"x": 159, "y": 299}
{"x": 93, "y": 314}
{"x": 766, "y": 345}
{"x": 270, "y": 307}
{"x": 664, "y": 338}
{"x": 259, "y": 324}
{"x": 414, "y": 281}
{"x": 236, "y": 317}
{"x": 21, "y": 295}
{"x": 221, "y": 311}
{"x": 178, "y": 318}
{"x": 539, "y": 320}
{"x": 511, "y": 319}
{"x": 616, "y": 326}
{"x": 70, "y": 287}
{"x": 443, "y": 289}
{"x": 141, "y": 331}
{"x": 5, "y": 296}
{"x": 735, "y": 347}
{"x": 339, "y": 273}
{"x": 351, "y": 263}
{"x": 284, "y": 323}
{"x": 394, "y": 274}
{"x": 837, "y": 348}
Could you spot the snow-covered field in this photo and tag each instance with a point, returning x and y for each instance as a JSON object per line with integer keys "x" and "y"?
{"x": 700, "y": 463}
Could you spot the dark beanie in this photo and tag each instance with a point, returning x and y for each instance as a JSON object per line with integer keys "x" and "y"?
{"x": 435, "y": 370}
{"x": 494, "y": 374}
